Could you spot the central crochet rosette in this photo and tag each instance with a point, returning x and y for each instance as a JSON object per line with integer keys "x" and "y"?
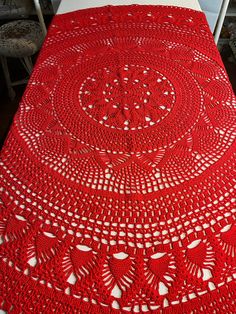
{"x": 134, "y": 93}
{"x": 128, "y": 97}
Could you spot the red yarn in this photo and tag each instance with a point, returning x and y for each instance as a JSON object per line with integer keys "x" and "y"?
{"x": 118, "y": 174}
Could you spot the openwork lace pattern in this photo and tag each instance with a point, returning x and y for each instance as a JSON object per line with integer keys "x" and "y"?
{"x": 118, "y": 174}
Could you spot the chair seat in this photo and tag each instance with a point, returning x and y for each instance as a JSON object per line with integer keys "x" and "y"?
{"x": 20, "y": 38}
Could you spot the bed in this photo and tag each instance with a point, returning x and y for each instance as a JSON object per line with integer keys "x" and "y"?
{"x": 118, "y": 173}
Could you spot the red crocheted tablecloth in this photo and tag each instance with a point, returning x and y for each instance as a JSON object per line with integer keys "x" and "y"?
{"x": 118, "y": 174}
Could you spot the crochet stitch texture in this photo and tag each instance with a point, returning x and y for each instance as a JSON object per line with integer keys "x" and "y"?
{"x": 118, "y": 174}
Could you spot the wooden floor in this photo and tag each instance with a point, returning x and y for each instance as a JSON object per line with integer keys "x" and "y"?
{"x": 8, "y": 108}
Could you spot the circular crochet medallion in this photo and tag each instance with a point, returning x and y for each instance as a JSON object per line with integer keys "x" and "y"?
{"x": 128, "y": 97}
{"x": 118, "y": 177}
{"x": 136, "y": 95}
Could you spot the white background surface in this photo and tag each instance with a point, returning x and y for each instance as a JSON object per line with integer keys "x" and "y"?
{"x": 73, "y": 5}
{"x": 212, "y": 10}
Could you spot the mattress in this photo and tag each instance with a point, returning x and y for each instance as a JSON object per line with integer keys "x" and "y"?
{"x": 118, "y": 173}
{"x": 69, "y": 6}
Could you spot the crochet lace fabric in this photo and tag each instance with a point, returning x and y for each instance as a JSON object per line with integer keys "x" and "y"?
{"x": 118, "y": 174}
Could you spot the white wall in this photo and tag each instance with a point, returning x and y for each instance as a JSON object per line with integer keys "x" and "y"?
{"x": 212, "y": 9}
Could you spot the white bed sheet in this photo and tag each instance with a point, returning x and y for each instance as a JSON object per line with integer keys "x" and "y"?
{"x": 73, "y": 5}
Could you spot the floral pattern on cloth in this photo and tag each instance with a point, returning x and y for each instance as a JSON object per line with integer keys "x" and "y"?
{"x": 118, "y": 174}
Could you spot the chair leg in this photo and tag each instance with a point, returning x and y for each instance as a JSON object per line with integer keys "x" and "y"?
{"x": 27, "y": 63}
{"x": 11, "y": 91}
